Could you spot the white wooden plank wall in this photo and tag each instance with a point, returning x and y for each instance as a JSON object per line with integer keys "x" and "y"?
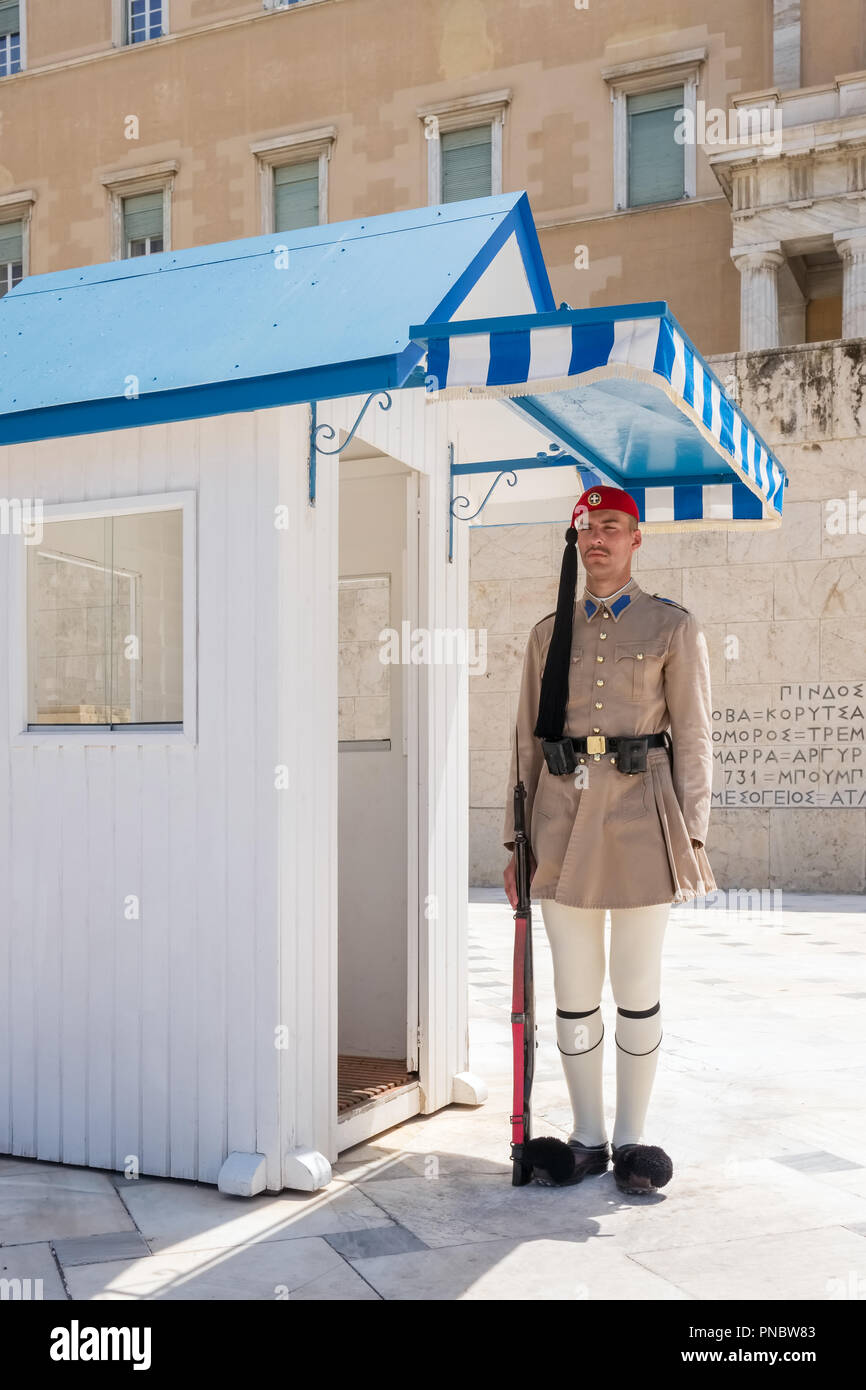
{"x": 153, "y": 1038}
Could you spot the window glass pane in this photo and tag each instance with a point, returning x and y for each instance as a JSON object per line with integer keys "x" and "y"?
{"x": 68, "y": 598}
{"x": 364, "y": 681}
{"x": 10, "y": 54}
{"x": 296, "y": 195}
{"x": 142, "y": 223}
{"x": 105, "y": 637}
{"x": 656, "y": 163}
{"x": 143, "y": 20}
{"x": 466, "y": 163}
{"x": 10, "y": 18}
{"x": 11, "y": 241}
{"x": 147, "y": 645}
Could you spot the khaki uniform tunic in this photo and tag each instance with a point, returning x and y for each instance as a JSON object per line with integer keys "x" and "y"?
{"x": 638, "y": 666}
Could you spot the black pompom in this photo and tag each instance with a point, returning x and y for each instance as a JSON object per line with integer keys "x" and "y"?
{"x": 647, "y": 1161}
{"x": 571, "y": 535}
{"x": 551, "y": 1155}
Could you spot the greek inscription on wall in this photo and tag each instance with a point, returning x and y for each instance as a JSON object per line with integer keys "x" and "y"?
{"x": 790, "y": 745}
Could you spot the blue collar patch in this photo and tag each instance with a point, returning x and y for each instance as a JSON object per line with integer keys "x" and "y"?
{"x": 619, "y": 604}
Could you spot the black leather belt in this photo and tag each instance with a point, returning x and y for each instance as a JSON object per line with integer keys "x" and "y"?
{"x": 630, "y": 751}
{"x": 600, "y": 743}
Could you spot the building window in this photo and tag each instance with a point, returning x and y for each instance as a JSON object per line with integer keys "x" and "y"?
{"x": 466, "y": 163}
{"x": 11, "y": 255}
{"x": 656, "y": 162}
{"x": 10, "y": 39}
{"x": 107, "y": 619}
{"x": 140, "y": 209}
{"x": 464, "y": 146}
{"x": 293, "y": 178}
{"x": 143, "y": 20}
{"x": 296, "y": 195}
{"x": 654, "y": 107}
{"x": 143, "y": 224}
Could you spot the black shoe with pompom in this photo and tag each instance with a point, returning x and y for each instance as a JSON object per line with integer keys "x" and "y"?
{"x": 557, "y": 1164}
{"x": 640, "y": 1169}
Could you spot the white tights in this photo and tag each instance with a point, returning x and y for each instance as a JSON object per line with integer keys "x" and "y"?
{"x": 576, "y": 936}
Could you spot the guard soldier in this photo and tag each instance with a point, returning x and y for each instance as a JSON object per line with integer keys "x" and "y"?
{"x": 614, "y": 723}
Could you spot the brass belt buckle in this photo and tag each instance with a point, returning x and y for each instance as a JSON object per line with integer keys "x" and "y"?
{"x": 595, "y": 743}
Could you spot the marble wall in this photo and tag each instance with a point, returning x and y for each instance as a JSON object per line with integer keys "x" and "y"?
{"x": 794, "y": 597}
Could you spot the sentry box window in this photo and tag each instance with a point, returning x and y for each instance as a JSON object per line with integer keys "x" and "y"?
{"x": 105, "y": 634}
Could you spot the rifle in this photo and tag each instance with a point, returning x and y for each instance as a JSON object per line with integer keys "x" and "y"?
{"x": 550, "y": 1157}
{"x": 523, "y": 1026}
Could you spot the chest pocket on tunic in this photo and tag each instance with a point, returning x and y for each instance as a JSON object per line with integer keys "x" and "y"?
{"x": 637, "y": 666}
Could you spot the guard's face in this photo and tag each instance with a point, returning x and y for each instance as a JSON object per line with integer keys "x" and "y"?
{"x": 605, "y": 542}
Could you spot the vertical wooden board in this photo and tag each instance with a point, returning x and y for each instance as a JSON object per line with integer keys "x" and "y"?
{"x": 99, "y": 476}
{"x": 128, "y": 954}
{"x": 183, "y": 964}
{"x": 182, "y": 456}
{"x": 296, "y": 845}
{"x": 243, "y": 672}
{"x": 214, "y": 658}
{"x": 127, "y": 462}
{"x": 155, "y": 929}
{"x": 324, "y": 776}
{"x": 7, "y": 558}
{"x": 23, "y": 969}
{"x": 268, "y": 694}
{"x": 46, "y": 945}
{"x": 102, "y": 935}
{"x": 155, "y": 460}
{"x": 72, "y": 924}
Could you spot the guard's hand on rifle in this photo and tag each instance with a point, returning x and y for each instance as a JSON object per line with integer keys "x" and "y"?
{"x": 510, "y": 877}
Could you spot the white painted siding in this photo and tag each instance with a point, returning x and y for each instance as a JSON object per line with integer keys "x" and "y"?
{"x": 155, "y": 1038}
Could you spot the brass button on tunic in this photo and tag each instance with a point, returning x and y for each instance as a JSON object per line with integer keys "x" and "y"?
{"x": 621, "y": 840}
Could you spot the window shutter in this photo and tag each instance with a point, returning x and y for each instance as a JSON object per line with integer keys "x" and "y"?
{"x": 142, "y": 216}
{"x": 656, "y": 163}
{"x": 466, "y": 163}
{"x": 10, "y": 18}
{"x": 296, "y": 195}
{"x": 11, "y": 243}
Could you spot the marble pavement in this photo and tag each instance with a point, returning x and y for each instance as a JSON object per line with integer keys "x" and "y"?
{"x": 758, "y": 1100}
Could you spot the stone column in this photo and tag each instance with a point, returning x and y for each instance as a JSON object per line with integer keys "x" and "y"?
{"x": 851, "y": 246}
{"x": 759, "y": 294}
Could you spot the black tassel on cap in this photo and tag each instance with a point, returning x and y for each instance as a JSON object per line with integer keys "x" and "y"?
{"x": 554, "y": 682}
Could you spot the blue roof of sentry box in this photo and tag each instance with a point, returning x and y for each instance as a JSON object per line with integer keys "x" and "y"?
{"x": 306, "y": 315}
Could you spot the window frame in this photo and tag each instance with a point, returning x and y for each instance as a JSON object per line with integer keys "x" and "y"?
{"x": 22, "y": 734}
{"x": 18, "y": 207}
{"x": 127, "y": 183}
{"x": 488, "y": 108}
{"x": 300, "y": 148}
{"x": 120, "y": 27}
{"x": 652, "y": 75}
{"x": 22, "y": 42}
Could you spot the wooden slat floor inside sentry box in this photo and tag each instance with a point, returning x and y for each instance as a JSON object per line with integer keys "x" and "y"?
{"x": 362, "y": 1079}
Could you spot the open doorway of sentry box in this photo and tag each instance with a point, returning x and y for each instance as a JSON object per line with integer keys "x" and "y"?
{"x": 378, "y": 937}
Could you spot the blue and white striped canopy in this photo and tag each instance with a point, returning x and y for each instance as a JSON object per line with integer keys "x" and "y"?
{"x": 629, "y": 400}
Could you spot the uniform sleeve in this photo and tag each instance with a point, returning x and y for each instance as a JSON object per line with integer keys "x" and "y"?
{"x": 531, "y": 755}
{"x": 689, "y": 702}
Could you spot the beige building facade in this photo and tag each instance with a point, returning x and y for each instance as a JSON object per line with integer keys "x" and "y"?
{"x": 129, "y": 127}
{"x": 373, "y": 98}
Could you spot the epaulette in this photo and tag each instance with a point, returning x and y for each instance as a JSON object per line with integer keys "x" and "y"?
{"x": 671, "y": 601}
{"x": 546, "y": 616}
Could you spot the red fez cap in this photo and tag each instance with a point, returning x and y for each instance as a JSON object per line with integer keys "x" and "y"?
{"x": 605, "y": 498}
